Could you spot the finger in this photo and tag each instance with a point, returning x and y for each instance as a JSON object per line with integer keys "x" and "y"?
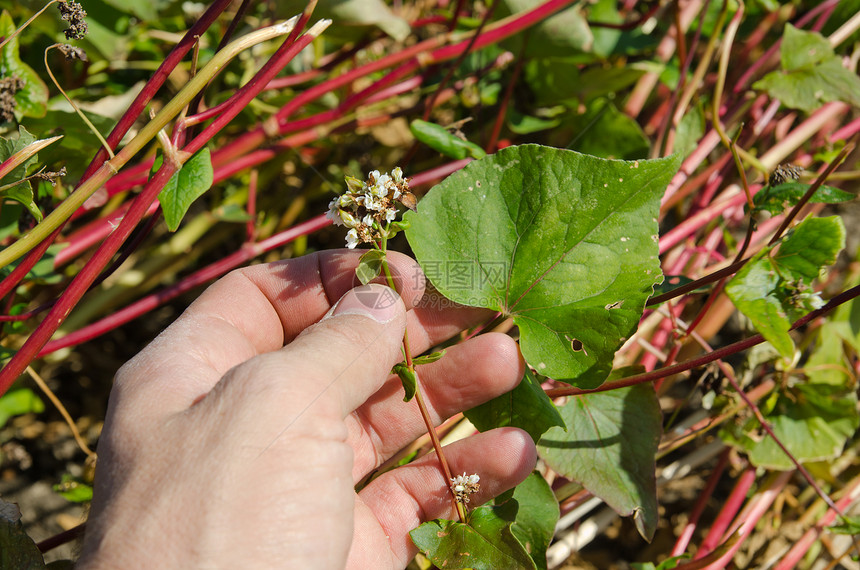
{"x": 310, "y": 385}
{"x": 468, "y": 375}
{"x": 402, "y": 499}
{"x": 249, "y": 312}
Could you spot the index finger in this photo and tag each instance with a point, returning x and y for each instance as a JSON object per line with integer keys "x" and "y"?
{"x": 256, "y": 310}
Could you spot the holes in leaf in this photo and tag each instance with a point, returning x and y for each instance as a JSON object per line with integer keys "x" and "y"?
{"x": 576, "y": 345}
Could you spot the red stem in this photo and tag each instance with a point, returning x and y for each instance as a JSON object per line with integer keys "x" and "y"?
{"x": 728, "y": 512}
{"x": 157, "y": 80}
{"x": 200, "y": 277}
{"x": 701, "y": 502}
{"x": 733, "y": 348}
{"x": 81, "y": 282}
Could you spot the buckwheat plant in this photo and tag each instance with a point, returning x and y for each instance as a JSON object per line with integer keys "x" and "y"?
{"x": 369, "y": 209}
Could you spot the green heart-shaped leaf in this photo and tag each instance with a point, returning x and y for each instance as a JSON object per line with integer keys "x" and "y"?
{"x": 563, "y": 242}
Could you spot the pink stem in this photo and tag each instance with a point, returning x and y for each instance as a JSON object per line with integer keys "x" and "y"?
{"x": 752, "y": 513}
{"x": 81, "y": 282}
{"x": 212, "y": 271}
{"x": 798, "y": 551}
{"x": 701, "y": 502}
{"x": 695, "y": 222}
{"x": 728, "y": 512}
{"x": 717, "y": 354}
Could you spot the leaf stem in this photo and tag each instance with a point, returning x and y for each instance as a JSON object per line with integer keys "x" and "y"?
{"x": 419, "y": 399}
{"x": 719, "y": 353}
{"x": 730, "y": 376}
{"x": 80, "y": 113}
{"x": 25, "y": 24}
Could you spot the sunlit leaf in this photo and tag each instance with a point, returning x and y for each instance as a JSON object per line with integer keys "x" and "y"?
{"x": 486, "y": 543}
{"x": 564, "y": 243}
{"x": 369, "y": 265}
{"x": 18, "y": 402}
{"x": 811, "y": 75}
{"x": 773, "y": 289}
{"x": 778, "y": 199}
{"x": 442, "y": 140}
{"x": 189, "y": 183}
{"x": 74, "y": 490}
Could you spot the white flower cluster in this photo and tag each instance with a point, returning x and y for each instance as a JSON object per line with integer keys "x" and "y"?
{"x": 465, "y": 485}
{"x": 367, "y": 207}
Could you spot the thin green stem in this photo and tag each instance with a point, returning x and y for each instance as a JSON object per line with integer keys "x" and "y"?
{"x": 25, "y": 24}
{"x": 728, "y": 40}
{"x": 80, "y": 113}
{"x": 419, "y": 399}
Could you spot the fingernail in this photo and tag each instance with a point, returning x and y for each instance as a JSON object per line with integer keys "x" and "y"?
{"x": 378, "y": 302}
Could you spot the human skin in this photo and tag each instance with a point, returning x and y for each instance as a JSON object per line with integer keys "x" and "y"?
{"x": 235, "y": 439}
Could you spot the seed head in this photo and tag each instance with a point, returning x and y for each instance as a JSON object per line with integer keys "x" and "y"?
{"x": 72, "y": 53}
{"x": 784, "y": 173}
{"x": 8, "y": 87}
{"x": 73, "y": 13}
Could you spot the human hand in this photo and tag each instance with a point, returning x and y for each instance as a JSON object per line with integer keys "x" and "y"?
{"x": 235, "y": 439}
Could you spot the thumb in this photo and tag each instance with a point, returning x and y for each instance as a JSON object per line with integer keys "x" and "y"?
{"x": 334, "y": 365}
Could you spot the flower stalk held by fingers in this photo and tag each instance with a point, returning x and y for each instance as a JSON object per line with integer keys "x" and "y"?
{"x": 369, "y": 207}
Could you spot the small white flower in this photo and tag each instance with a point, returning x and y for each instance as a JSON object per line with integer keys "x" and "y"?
{"x": 397, "y": 175}
{"x": 390, "y": 214}
{"x": 368, "y": 220}
{"x": 333, "y": 213}
{"x": 351, "y": 238}
{"x": 465, "y": 485}
{"x": 373, "y": 203}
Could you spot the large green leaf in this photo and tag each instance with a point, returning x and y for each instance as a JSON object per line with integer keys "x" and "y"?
{"x": 609, "y": 449}
{"x": 813, "y": 421}
{"x": 527, "y": 407}
{"x": 812, "y": 245}
{"x": 774, "y": 289}
{"x": 535, "y": 511}
{"x": 17, "y": 550}
{"x": 32, "y": 99}
{"x": 486, "y": 543}
{"x": 564, "y": 243}
{"x": 189, "y": 183}
{"x": 811, "y": 75}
